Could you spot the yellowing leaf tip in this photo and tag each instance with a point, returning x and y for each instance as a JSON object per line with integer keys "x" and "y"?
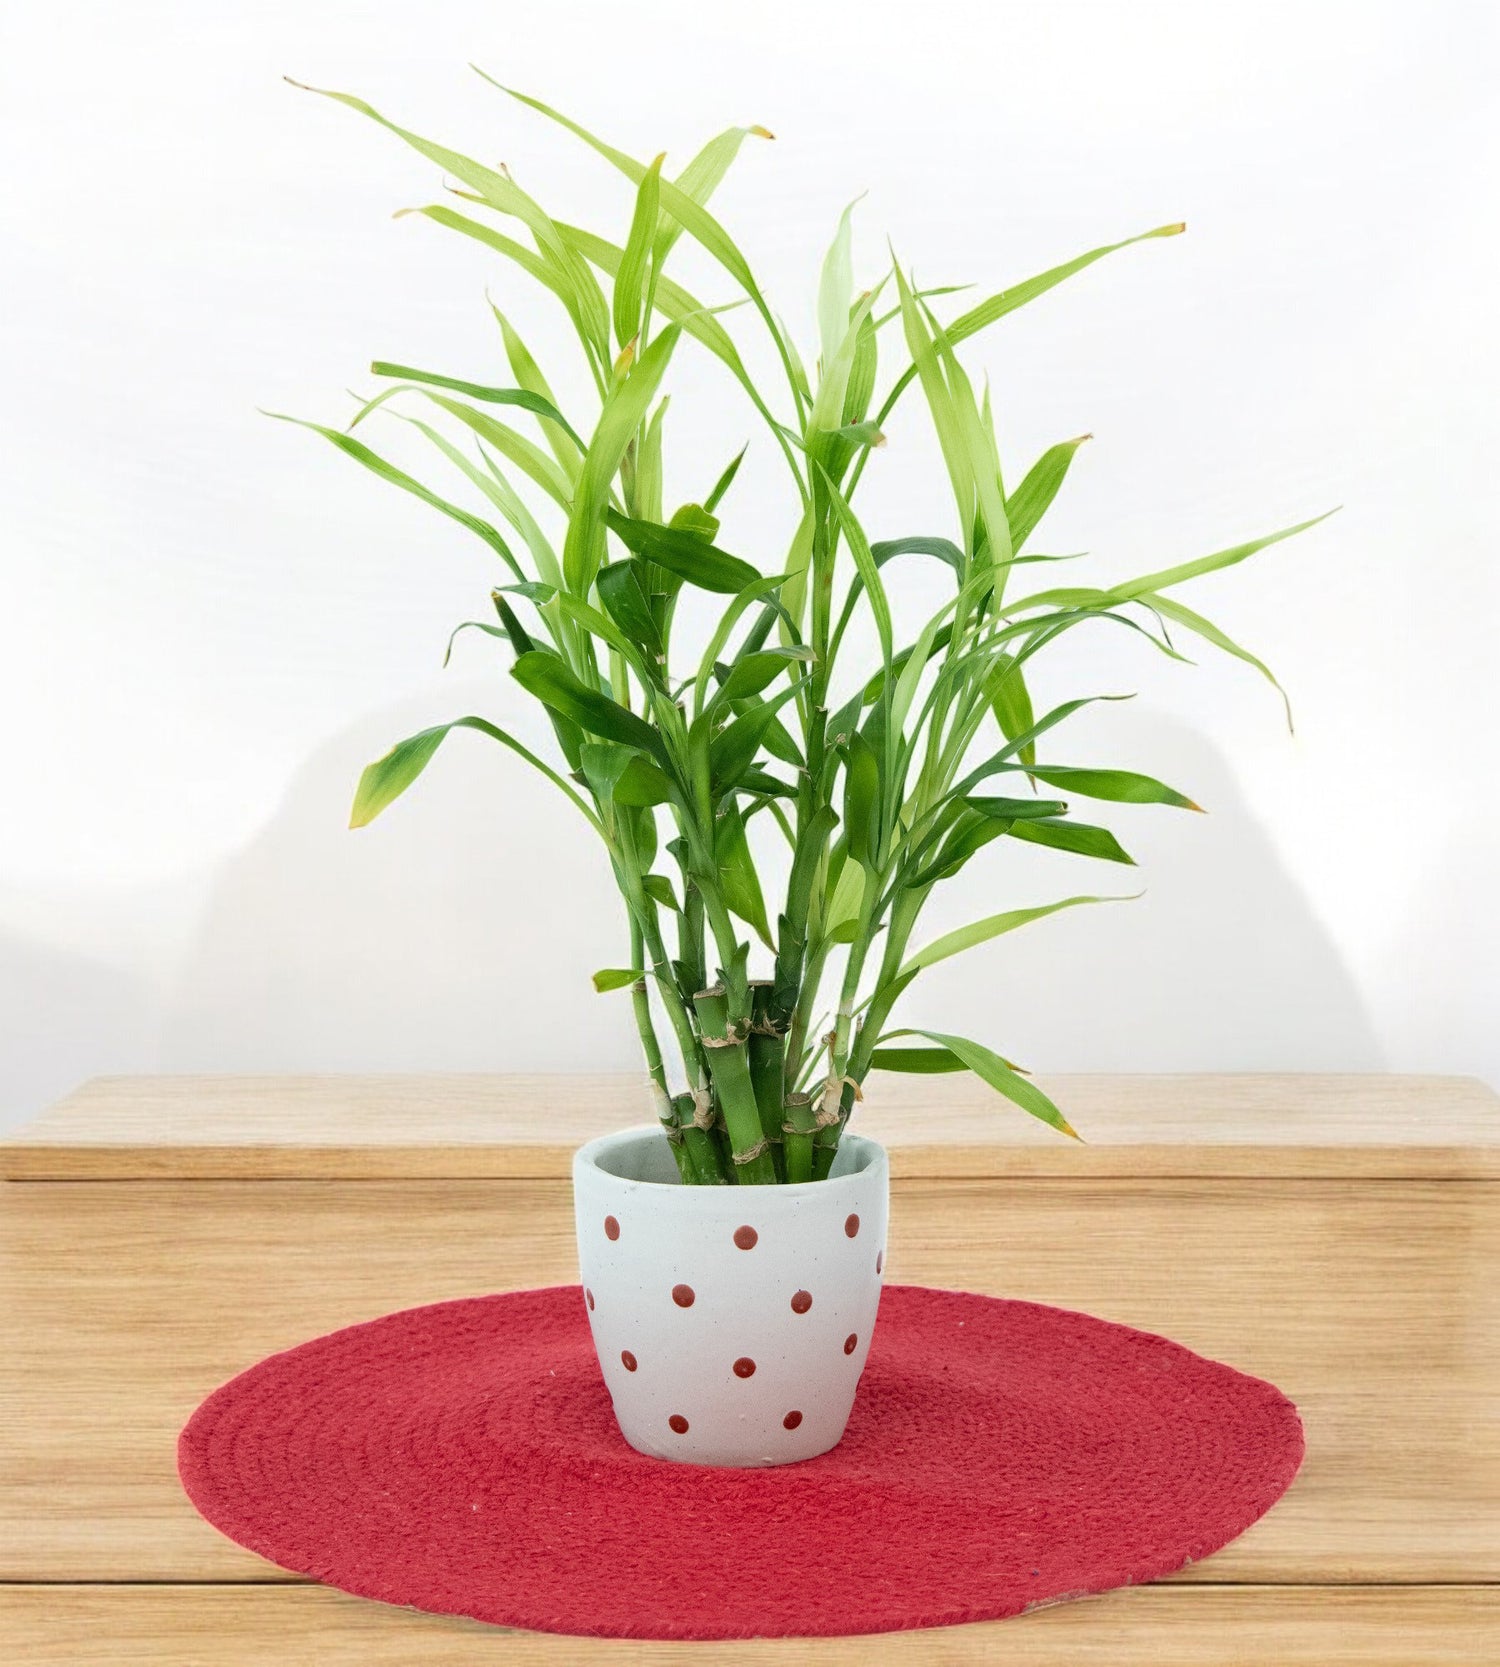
{"x": 762, "y": 132}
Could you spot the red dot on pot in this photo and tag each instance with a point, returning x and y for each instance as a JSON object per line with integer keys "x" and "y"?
{"x": 678, "y": 1423}
{"x": 801, "y": 1302}
{"x": 851, "y": 1226}
{"x": 611, "y": 1228}
{"x": 851, "y": 1342}
{"x": 627, "y": 1360}
{"x": 682, "y": 1295}
{"x": 588, "y": 1297}
{"x": 744, "y": 1367}
{"x": 880, "y": 1261}
{"x": 791, "y": 1421}
{"x": 745, "y": 1237}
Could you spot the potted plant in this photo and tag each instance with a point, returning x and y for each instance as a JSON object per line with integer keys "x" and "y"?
{"x": 732, "y": 1253}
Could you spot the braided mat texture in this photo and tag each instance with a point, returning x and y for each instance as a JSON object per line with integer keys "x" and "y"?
{"x": 464, "y": 1459}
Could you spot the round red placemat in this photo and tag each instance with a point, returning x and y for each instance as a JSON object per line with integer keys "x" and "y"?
{"x": 463, "y": 1458}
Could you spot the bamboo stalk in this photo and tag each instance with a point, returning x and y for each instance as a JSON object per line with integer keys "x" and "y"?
{"x": 702, "y": 1148}
{"x": 725, "y": 1050}
{"x": 661, "y": 1100}
{"x": 798, "y": 1131}
{"x": 767, "y": 1056}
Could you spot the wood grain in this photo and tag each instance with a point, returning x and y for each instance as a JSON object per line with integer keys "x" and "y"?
{"x": 1152, "y": 1626}
{"x": 1373, "y": 1304}
{"x": 525, "y": 1127}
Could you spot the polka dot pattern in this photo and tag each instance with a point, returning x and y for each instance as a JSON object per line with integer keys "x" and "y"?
{"x": 628, "y": 1360}
{"x": 744, "y": 1367}
{"x": 801, "y": 1301}
{"x": 851, "y": 1226}
{"x": 684, "y": 1296}
{"x": 851, "y": 1343}
{"x": 746, "y": 1238}
{"x": 611, "y": 1229}
{"x": 1031, "y": 1454}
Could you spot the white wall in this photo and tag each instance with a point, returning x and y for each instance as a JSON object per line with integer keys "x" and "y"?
{"x": 210, "y": 621}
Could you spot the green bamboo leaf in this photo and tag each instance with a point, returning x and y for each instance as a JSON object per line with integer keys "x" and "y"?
{"x": 631, "y": 279}
{"x": 943, "y": 548}
{"x": 576, "y": 283}
{"x": 976, "y": 430}
{"x": 388, "y": 778}
{"x": 1010, "y": 700}
{"x": 970, "y": 834}
{"x": 533, "y": 264}
{"x": 622, "y": 590}
{"x": 1002, "y": 1077}
{"x": 1008, "y": 300}
{"x": 546, "y": 677}
{"x": 918, "y": 1061}
{"x": 733, "y": 750}
{"x": 835, "y": 288}
{"x": 1126, "y": 787}
{"x": 726, "y": 480}
{"x": 927, "y": 366}
{"x": 981, "y": 931}
{"x": 535, "y": 403}
{"x": 659, "y": 889}
{"x": 680, "y": 307}
{"x": 864, "y": 561}
{"x": 1013, "y": 810}
{"x": 493, "y": 484}
{"x": 509, "y": 442}
{"x": 1172, "y": 609}
{"x": 1135, "y": 589}
{"x": 616, "y": 978}
{"x": 753, "y": 672}
{"x": 860, "y": 434}
{"x": 377, "y": 465}
{"x": 624, "y": 410}
{"x": 684, "y": 553}
{"x": 1031, "y": 500}
{"x": 862, "y": 801}
{"x": 676, "y": 202}
{"x": 700, "y": 179}
{"x": 844, "y": 904}
{"x": 738, "y": 883}
{"x": 643, "y": 784}
{"x": 1081, "y": 838}
{"x": 565, "y": 444}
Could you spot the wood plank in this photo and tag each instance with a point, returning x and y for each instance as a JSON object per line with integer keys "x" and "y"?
{"x": 525, "y": 1127}
{"x": 1373, "y": 1304}
{"x": 1151, "y": 1626}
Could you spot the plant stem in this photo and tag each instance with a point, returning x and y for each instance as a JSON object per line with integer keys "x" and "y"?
{"x": 666, "y": 1111}
{"x": 801, "y": 1125}
{"x": 729, "y": 1066}
{"x": 767, "y": 1054}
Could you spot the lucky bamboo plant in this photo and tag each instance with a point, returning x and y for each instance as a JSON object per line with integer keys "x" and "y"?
{"x": 882, "y": 779}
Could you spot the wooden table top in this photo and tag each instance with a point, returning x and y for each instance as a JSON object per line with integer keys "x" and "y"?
{"x": 526, "y": 1127}
{"x": 1340, "y": 1236}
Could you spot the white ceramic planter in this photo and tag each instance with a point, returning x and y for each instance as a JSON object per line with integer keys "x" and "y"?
{"x": 732, "y": 1323}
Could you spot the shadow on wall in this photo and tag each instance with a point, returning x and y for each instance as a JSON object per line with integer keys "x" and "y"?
{"x": 458, "y": 932}
{"x": 1222, "y": 966}
{"x": 64, "y": 1017}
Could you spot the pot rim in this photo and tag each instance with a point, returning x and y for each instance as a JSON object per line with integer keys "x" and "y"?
{"x": 874, "y": 1162}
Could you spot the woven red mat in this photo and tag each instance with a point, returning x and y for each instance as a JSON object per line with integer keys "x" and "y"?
{"x": 463, "y": 1459}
